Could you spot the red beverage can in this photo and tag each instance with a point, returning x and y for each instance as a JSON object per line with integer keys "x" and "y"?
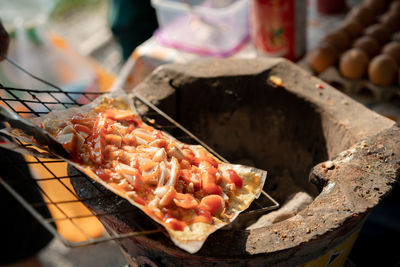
{"x": 278, "y": 27}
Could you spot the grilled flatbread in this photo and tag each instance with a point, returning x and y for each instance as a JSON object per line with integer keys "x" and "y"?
{"x": 183, "y": 187}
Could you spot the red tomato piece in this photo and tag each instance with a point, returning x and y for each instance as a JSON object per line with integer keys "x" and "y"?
{"x": 185, "y": 175}
{"x": 130, "y": 128}
{"x": 235, "y": 178}
{"x": 113, "y": 139}
{"x": 212, "y": 203}
{"x": 140, "y": 201}
{"x": 207, "y": 166}
{"x": 125, "y": 169}
{"x": 119, "y": 115}
{"x": 208, "y": 184}
{"x": 83, "y": 128}
{"x": 97, "y": 152}
{"x": 129, "y": 139}
{"x": 203, "y": 156}
{"x": 168, "y": 197}
{"x": 185, "y": 201}
{"x": 190, "y": 156}
{"x": 148, "y": 166}
{"x": 203, "y": 215}
{"x": 152, "y": 177}
{"x": 103, "y": 174}
{"x": 175, "y": 224}
{"x": 202, "y": 218}
{"x": 185, "y": 164}
{"x": 78, "y": 119}
{"x": 145, "y": 136}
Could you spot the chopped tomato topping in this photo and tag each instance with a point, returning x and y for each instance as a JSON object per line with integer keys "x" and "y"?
{"x": 82, "y": 128}
{"x": 185, "y": 175}
{"x": 212, "y": 203}
{"x": 158, "y": 214}
{"x": 100, "y": 125}
{"x": 202, "y": 218}
{"x": 114, "y": 155}
{"x": 208, "y": 167}
{"x": 175, "y": 183}
{"x": 158, "y": 134}
{"x": 203, "y": 215}
{"x": 152, "y": 212}
{"x": 168, "y": 197}
{"x": 97, "y": 152}
{"x": 189, "y": 177}
{"x": 190, "y": 156}
{"x": 130, "y": 128}
{"x": 160, "y": 142}
{"x": 97, "y": 141}
{"x": 235, "y": 178}
{"x": 147, "y": 128}
{"x": 175, "y": 224}
{"x": 203, "y": 156}
{"x": 103, "y": 174}
{"x": 185, "y": 201}
{"x": 134, "y": 180}
{"x": 150, "y": 175}
{"x": 144, "y": 136}
{"x": 78, "y": 119}
{"x": 124, "y": 169}
{"x": 208, "y": 184}
{"x": 68, "y": 141}
{"x": 185, "y": 164}
{"x": 119, "y": 115}
{"x": 114, "y": 139}
{"x": 148, "y": 166}
{"x": 140, "y": 201}
{"x": 129, "y": 139}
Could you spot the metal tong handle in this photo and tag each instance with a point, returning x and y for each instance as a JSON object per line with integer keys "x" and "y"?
{"x": 40, "y": 135}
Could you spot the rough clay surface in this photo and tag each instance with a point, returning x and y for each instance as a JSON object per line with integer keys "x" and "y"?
{"x": 296, "y": 203}
{"x": 362, "y": 146}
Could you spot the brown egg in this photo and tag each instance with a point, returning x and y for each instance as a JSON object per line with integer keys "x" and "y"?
{"x": 363, "y": 14}
{"x": 322, "y": 57}
{"x": 379, "y": 32}
{"x": 392, "y": 49}
{"x": 382, "y": 70}
{"x": 396, "y": 37}
{"x": 352, "y": 28}
{"x": 395, "y": 6}
{"x": 391, "y": 20}
{"x": 353, "y": 63}
{"x": 368, "y": 44}
{"x": 338, "y": 39}
{"x": 378, "y": 6}
{"x": 399, "y": 77}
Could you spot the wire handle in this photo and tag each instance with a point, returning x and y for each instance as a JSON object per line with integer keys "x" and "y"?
{"x": 15, "y": 64}
{"x": 40, "y": 135}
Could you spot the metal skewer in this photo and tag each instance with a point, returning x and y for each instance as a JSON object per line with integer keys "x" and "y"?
{"x": 40, "y": 135}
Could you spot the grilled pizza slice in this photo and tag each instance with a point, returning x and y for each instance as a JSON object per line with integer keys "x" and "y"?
{"x": 183, "y": 187}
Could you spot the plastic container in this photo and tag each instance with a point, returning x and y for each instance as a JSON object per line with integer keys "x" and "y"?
{"x": 212, "y": 27}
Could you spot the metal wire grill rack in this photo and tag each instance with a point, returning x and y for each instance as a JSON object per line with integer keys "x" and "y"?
{"x": 30, "y": 103}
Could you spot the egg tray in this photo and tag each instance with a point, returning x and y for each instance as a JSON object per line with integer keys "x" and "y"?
{"x": 361, "y": 89}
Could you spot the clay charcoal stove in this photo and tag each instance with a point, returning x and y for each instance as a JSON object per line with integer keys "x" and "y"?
{"x": 330, "y": 161}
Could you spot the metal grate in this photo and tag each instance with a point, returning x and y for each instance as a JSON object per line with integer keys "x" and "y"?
{"x": 30, "y": 103}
